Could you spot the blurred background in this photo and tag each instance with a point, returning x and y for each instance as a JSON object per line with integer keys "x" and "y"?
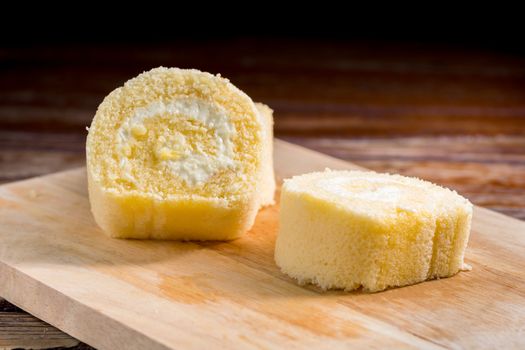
{"x": 434, "y": 96}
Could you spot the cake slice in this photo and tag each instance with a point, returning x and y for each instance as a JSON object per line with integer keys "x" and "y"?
{"x": 267, "y": 193}
{"x": 179, "y": 154}
{"x": 353, "y": 229}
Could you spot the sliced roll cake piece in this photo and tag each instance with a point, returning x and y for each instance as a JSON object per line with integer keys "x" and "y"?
{"x": 353, "y": 229}
{"x": 179, "y": 154}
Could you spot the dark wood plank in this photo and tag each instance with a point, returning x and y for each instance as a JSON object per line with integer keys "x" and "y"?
{"x": 21, "y": 330}
{"x": 18, "y": 329}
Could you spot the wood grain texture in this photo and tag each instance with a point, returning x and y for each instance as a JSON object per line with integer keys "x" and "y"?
{"x": 20, "y": 330}
{"x": 146, "y": 294}
{"x": 451, "y": 115}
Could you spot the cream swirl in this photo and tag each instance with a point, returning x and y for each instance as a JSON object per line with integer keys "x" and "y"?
{"x": 194, "y": 165}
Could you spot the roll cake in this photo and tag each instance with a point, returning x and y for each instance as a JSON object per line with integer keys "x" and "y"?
{"x": 179, "y": 154}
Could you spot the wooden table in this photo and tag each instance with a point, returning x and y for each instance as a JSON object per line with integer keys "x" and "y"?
{"x": 454, "y": 116}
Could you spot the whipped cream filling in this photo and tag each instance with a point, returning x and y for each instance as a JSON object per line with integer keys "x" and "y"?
{"x": 193, "y": 165}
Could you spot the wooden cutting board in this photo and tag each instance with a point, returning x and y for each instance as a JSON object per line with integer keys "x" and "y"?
{"x": 123, "y": 294}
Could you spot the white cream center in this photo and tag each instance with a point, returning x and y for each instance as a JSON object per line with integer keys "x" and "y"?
{"x": 194, "y": 166}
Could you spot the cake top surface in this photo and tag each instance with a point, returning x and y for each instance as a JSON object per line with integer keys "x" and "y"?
{"x": 374, "y": 194}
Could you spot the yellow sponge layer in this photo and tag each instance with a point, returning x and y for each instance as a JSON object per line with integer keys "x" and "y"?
{"x": 352, "y": 229}
{"x": 267, "y": 191}
{"x": 179, "y": 154}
